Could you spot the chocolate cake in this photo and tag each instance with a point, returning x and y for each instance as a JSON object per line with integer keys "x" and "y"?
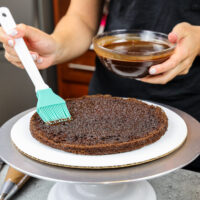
{"x": 102, "y": 124}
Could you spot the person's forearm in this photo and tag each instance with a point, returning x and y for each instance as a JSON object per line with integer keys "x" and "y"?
{"x": 72, "y": 37}
{"x": 74, "y": 33}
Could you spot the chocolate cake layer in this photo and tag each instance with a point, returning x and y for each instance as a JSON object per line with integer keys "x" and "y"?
{"x": 102, "y": 124}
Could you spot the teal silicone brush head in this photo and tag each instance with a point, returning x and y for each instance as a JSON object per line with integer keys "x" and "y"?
{"x": 51, "y": 108}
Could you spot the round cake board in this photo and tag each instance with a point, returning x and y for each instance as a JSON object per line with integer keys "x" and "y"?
{"x": 26, "y": 144}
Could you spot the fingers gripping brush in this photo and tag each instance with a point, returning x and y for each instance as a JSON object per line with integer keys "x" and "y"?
{"x": 50, "y": 107}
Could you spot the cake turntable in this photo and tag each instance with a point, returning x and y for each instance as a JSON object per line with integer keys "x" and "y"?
{"x": 22, "y": 138}
{"x": 121, "y": 183}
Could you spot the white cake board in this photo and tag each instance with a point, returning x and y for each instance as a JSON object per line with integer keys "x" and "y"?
{"x": 172, "y": 140}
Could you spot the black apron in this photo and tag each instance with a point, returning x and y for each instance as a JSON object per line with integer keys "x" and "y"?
{"x": 183, "y": 92}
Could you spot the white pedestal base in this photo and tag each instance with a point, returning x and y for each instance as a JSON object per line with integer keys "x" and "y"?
{"x": 127, "y": 191}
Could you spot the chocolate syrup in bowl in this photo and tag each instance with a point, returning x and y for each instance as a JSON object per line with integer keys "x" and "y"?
{"x": 131, "y": 57}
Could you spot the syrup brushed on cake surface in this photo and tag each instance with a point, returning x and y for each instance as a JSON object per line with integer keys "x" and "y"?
{"x": 103, "y": 124}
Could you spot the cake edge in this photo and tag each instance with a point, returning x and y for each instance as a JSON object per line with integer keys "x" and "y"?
{"x": 103, "y": 149}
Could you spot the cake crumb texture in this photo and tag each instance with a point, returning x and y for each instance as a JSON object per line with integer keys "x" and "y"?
{"x": 102, "y": 124}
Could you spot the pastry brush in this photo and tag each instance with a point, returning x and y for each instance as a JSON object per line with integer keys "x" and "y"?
{"x": 50, "y": 107}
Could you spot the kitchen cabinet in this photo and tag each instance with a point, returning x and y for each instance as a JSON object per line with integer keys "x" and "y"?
{"x": 73, "y": 77}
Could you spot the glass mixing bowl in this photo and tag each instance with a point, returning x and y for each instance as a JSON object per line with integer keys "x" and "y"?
{"x": 130, "y": 53}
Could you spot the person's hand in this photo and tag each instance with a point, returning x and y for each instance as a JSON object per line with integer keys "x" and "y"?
{"x": 187, "y": 39}
{"x": 41, "y": 45}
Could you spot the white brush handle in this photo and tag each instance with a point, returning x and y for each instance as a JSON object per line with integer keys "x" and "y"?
{"x": 8, "y": 24}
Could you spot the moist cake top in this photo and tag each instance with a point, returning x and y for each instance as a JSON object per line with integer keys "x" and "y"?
{"x": 100, "y": 120}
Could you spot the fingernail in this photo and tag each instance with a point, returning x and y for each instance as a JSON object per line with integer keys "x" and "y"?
{"x": 175, "y": 35}
{"x": 152, "y": 71}
{"x": 13, "y": 32}
{"x": 34, "y": 57}
{"x": 40, "y": 60}
{"x": 11, "y": 43}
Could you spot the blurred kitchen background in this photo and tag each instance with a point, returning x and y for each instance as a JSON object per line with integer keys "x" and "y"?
{"x": 16, "y": 90}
